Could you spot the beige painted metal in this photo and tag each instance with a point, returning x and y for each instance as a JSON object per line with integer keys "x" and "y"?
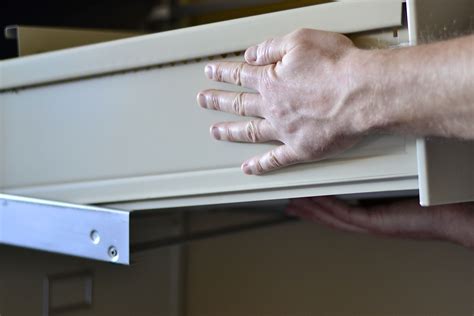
{"x": 195, "y": 42}
{"x": 105, "y": 141}
{"x": 136, "y": 139}
{"x": 139, "y": 135}
{"x": 152, "y": 285}
{"x": 34, "y": 40}
{"x": 2, "y": 146}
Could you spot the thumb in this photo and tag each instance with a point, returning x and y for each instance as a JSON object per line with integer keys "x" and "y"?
{"x": 269, "y": 52}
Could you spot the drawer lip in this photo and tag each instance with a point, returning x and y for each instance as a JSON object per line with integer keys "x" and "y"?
{"x": 193, "y": 42}
{"x": 125, "y": 195}
{"x": 380, "y": 187}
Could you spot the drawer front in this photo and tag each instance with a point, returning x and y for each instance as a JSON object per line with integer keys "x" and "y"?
{"x": 59, "y": 285}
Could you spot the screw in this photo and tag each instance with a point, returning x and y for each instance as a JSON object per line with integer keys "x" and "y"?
{"x": 113, "y": 253}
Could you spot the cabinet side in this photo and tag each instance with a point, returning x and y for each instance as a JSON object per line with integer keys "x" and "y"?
{"x": 2, "y": 141}
{"x": 445, "y": 167}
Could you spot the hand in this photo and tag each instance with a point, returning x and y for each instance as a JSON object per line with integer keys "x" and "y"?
{"x": 307, "y": 98}
{"x": 405, "y": 219}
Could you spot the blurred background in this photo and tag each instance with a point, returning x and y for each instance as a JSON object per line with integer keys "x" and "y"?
{"x": 145, "y": 16}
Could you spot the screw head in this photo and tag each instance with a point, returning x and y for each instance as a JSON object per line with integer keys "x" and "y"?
{"x": 113, "y": 253}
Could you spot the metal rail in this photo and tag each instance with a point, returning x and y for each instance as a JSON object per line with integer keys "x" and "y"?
{"x": 106, "y": 234}
{"x": 83, "y": 231}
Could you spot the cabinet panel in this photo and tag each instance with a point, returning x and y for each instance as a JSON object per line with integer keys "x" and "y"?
{"x": 128, "y": 134}
{"x": 52, "y": 285}
{"x": 195, "y": 42}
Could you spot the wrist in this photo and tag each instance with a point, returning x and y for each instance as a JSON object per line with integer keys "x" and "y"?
{"x": 372, "y": 90}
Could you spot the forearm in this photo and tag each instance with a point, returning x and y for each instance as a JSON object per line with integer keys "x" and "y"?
{"x": 425, "y": 90}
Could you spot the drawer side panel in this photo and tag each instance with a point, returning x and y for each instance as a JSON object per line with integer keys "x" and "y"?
{"x": 142, "y": 135}
{"x": 195, "y": 42}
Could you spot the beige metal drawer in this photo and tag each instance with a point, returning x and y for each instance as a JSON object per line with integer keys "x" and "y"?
{"x": 117, "y": 123}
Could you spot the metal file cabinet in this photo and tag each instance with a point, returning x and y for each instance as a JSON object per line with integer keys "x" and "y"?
{"x": 116, "y": 125}
{"x": 153, "y": 283}
{"x": 42, "y": 284}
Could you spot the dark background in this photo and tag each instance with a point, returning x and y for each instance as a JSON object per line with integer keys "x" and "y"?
{"x": 108, "y": 14}
{"x": 141, "y": 15}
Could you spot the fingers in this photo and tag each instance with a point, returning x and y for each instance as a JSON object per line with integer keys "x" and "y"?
{"x": 237, "y": 73}
{"x": 403, "y": 218}
{"x": 255, "y": 131}
{"x": 314, "y": 212}
{"x": 277, "y": 158}
{"x": 406, "y": 218}
{"x": 244, "y": 104}
{"x": 269, "y": 52}
{"x": 352, "y": 215}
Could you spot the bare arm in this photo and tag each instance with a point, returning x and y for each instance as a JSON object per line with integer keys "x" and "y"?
{"x": 426, "y": 90}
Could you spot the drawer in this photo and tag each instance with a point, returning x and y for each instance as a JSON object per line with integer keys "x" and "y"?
{"x": 117, "y": 123}
{"x": 58, "y": 285}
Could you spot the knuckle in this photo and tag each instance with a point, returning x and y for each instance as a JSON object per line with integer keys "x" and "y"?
{"x": 264, "y": 50}
{"x": 278, "y": 112}
{"x": 214, "y": 101}
{"x": 301, "y": 33}
{"x": 268, "y": 78}
{"x": 274, "y": 161}
{"x": 292, "y": 127}
{"x": 259, "y": 167}
{"x": 304, "y": 151}
{"x": 251, "y": 131}
{"x": 218, "y": 72}
{"x": 238, "y": 104}
{"x": 342, "y": 40}
{"x": 301, "y": 37}
{"x": 236, "y": 74}
{"x": 317, "y": 151}
{"x": 228, "y": 133}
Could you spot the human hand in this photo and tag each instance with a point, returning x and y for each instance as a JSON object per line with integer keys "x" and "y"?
{"x": 403, "y": 219}
{"x": 306, "y": 98}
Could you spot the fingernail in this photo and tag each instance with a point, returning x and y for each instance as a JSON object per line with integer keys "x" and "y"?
{"x": 215, "y": 132}
{"x": 202, "y": 99}
{"x": 208, "y": 71}
{"x": 251, "y": 54}
{"x": 246, "y": 168}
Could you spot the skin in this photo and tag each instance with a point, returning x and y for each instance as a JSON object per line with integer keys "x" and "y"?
{"x": 318, "y": 95}
{"x": 401, "y": 219}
